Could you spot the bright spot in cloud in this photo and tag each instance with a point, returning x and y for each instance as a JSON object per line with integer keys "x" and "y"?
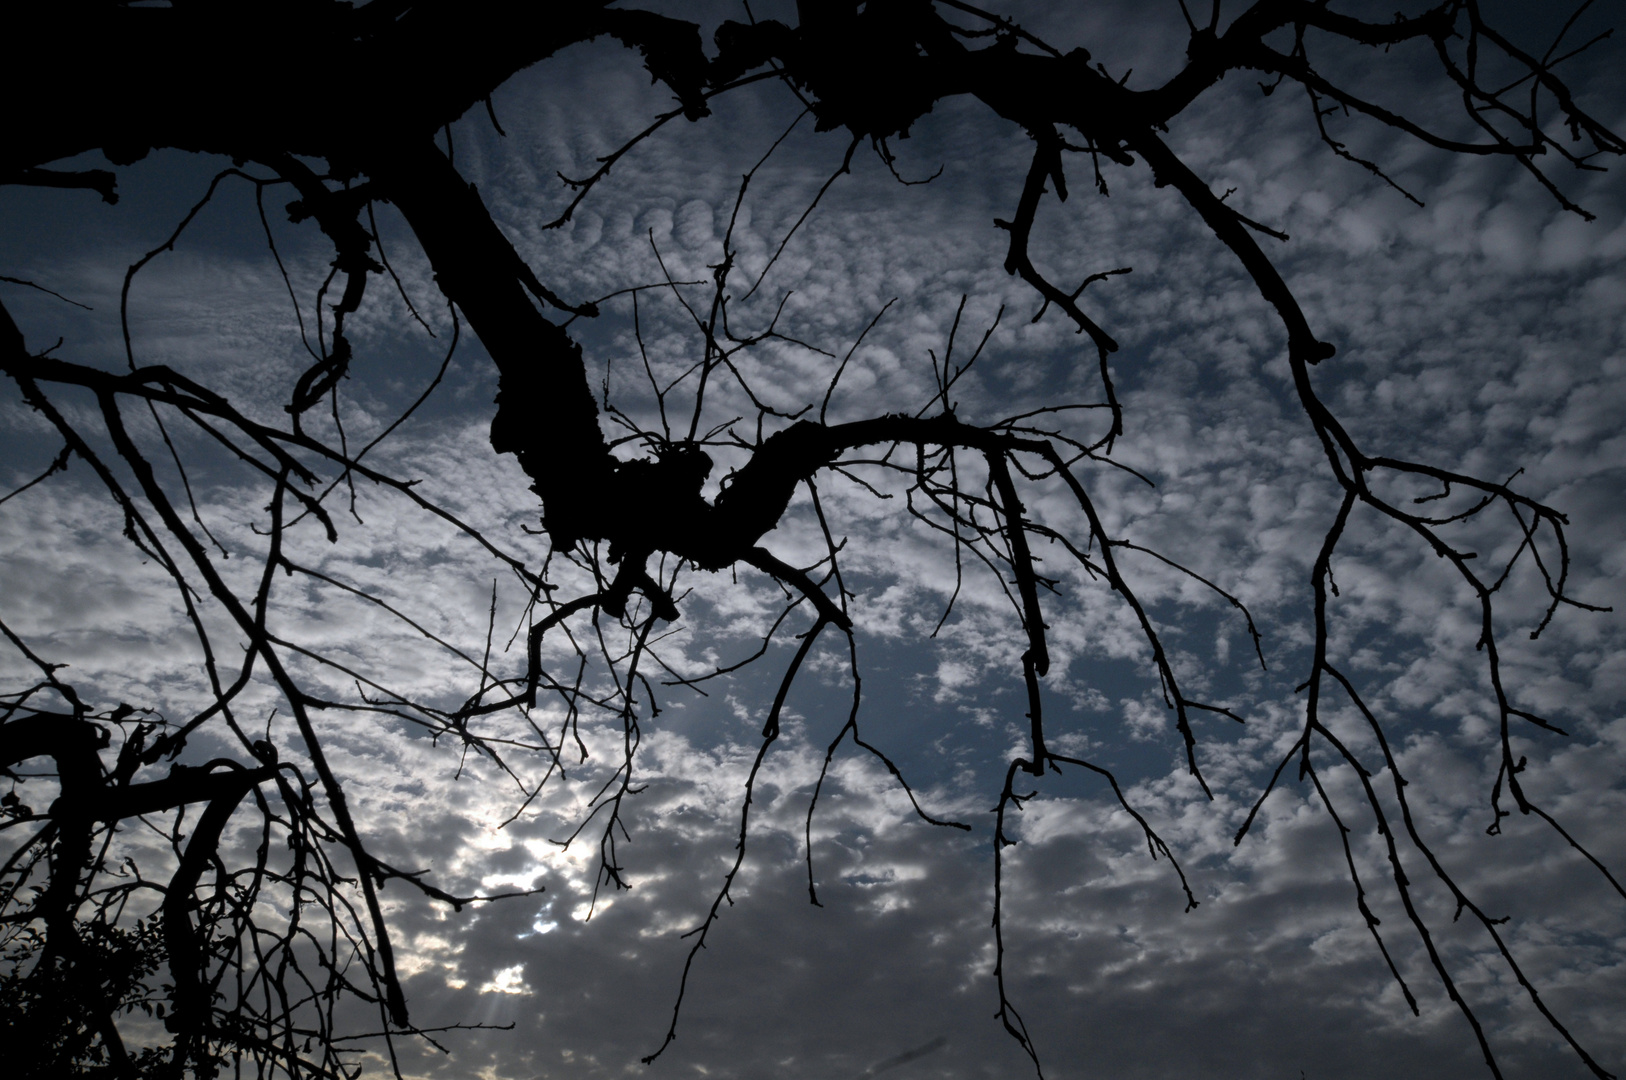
{"x": 509, "y": 980}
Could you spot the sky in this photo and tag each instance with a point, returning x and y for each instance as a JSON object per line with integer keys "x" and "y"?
{"x": 1481, "y": 331}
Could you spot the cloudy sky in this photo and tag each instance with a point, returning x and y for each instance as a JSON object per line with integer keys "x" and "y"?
{"x": 1481, "y": 331}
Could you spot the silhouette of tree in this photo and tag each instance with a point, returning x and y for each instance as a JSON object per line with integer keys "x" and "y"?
{"x": 260, "y": 954}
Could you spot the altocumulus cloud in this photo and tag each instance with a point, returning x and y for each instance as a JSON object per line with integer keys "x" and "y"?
{"x": 1482, "y": 331}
